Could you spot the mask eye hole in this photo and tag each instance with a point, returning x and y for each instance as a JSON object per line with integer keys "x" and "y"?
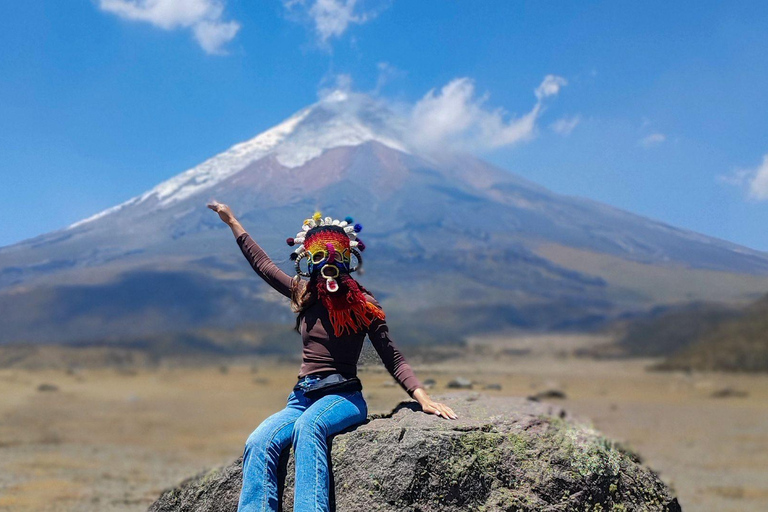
{"x": 319, "y": 256}
{"x": 330, "y": 271}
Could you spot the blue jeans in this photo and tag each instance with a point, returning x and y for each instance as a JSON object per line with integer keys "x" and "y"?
{"x": 306, "y": 423}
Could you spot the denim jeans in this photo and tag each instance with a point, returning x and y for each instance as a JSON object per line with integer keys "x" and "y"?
{"x": 306, "y": 423}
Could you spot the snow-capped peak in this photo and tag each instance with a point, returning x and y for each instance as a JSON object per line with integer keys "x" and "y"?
{"x": 340, "y": 118}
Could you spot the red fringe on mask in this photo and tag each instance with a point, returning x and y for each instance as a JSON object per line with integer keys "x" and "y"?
{"x": 349, "y": 312}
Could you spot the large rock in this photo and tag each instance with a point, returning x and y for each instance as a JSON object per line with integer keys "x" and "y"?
{"x": 501, "y": 454}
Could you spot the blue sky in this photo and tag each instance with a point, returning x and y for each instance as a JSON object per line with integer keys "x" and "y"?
{"x": 663, "y": 114}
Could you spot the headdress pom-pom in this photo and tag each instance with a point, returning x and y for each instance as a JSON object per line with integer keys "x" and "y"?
{"x": 348, "y": 219}
{"x": 317, "y": 216}
{"x": 358, "y": 228}
{"x": 290, "y": 241}
{"x": 293, "y": 256}
{"x": 360, "y": 245}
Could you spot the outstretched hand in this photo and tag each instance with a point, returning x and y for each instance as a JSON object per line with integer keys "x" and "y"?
{"x": 429, "y": 406}
{"x": 224, "y": 211}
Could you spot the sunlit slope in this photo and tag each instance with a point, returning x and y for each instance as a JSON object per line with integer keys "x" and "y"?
{"x": 450, "y": 240}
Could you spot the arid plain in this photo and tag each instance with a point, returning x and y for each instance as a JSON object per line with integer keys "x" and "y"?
{"x": 99, "y": 439}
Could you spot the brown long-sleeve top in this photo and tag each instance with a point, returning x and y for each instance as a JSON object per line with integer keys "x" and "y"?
{"x": 323, "y": 351}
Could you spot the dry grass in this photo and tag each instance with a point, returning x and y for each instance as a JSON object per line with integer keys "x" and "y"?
{"x": 110, "y": 440}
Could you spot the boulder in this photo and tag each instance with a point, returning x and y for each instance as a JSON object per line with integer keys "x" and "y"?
{"x": 548, "y": 394}
{"x": 728, "y": 392}
{"x": 460, "y": 383}
{"x": 502, "y": 454}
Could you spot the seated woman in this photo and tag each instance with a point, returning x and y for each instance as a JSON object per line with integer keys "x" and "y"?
{"x": 334, "y": 314}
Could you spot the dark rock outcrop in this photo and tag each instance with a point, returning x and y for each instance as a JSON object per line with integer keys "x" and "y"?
{"x": 548, "y": 394}
{"x": 502, "y": 454}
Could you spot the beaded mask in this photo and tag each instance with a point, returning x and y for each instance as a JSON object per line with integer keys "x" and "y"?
{"x": 329, "y": 244}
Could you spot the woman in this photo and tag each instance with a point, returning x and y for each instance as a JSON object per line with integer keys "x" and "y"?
{"x": 335, "y": 313}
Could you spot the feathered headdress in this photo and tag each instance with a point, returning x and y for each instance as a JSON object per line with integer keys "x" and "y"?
{"x": 329, "y": 244}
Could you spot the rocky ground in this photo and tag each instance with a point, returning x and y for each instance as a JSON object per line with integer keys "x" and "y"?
{"x": 113, "y": 440}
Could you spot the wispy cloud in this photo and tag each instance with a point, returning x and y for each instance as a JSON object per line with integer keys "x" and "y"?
{"x": 755, "y": 180}
{"x": 550, "y": 86}
{"x": 387, "y": 73}
{"x": 331, "y": 18}
{"x": 565, "y": 125}
{"x": 203, "y": 17}
{"x": 456, "y": 118}
{"x": 335, "y": 84}
{"x": 653, "y": 139}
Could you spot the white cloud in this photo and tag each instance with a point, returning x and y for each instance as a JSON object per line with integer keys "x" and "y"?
{"x": 455, "y": 118}
{"x": 340, "y": 86}
{"x": 202, "y": 17}
{"x": 212, "y": 36}
{"x": 653, "y": 139}
{"x": 758, "y": 184}
{"x": 387, "y": 74}
{"x": 565, "y": 125}
{"x": 755, "y": 180}
{"x": 331, "y": 18}
{"x": 550, "y": 86}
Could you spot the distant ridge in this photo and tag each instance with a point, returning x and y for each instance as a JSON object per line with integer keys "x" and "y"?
{"x": 715, "y": 339}
{"x": 452, "y": 242}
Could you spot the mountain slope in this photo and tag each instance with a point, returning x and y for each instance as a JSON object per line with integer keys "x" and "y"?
{"x": 734, "y": 343}
{"x": 449, "y": 238}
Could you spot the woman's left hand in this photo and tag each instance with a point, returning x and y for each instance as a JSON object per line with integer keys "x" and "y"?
{"x": 431, "y": 407}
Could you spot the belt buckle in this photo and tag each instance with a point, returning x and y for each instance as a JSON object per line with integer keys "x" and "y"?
{"x": 306, "y": 381}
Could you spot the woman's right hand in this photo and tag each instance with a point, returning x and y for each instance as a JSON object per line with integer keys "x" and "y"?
{"x": 224, "y": 211}
{"x": 429, "y": 406}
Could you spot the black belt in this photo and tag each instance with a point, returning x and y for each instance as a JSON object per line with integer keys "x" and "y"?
{"x": 319, "y": 384}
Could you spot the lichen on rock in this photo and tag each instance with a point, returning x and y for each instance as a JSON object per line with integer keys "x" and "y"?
{"x": 502, "y": 454}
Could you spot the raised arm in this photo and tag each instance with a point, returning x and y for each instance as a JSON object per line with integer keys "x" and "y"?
{"x": 253, "y": 252}
{"x": 264, "y": 266}
{"x": 398, "y": 367}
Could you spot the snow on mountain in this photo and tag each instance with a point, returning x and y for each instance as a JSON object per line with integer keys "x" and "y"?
{"x": 507, "y": 252}
{"x": 338, "y": 119}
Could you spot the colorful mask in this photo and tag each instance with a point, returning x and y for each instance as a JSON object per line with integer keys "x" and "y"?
{"x": 329, "y": 244}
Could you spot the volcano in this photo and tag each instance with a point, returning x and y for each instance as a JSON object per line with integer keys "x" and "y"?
{"x": 451, "y": 240}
